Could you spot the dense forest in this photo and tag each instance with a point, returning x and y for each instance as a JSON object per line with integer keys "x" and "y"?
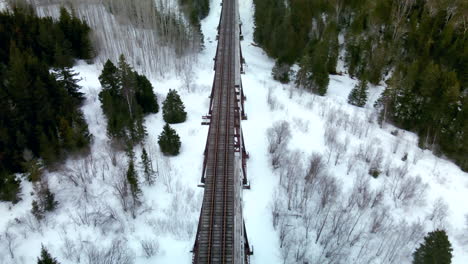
{"x": 40, "y": 116}
{"x": 418, "y": 47}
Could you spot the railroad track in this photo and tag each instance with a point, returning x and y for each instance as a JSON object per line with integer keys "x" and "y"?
{"x": 220, "y": 234}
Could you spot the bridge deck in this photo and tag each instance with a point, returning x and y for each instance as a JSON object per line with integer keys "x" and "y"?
{"x": 216, "y": 237}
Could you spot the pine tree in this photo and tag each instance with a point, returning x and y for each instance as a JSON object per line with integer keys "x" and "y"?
{"x": 46, "y": 258}
{"x": 147, "y": 167}
{"x": 169, "y": 141}
{"x": 435, "y": 249}
{"x": 173, "y": 108}
{"x": 358, "y": 95}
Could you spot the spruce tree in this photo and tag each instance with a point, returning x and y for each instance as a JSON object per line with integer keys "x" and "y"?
{"x": 358, "y": 95}
{"x": 9, "y": 187}
{"x": 132, "y": 178}
{"x": 173, "y": 108}
{"x": 67, "y": 79}
{"x": 435, "y": 249}
{"x": 46, "y": 258}
{"x": 169, "y": 141}
{"x": 49, "y": 202}
{"x": 109, "y": 77}
{"x": 145, "y": 96}
{"x": 147, "y": 167}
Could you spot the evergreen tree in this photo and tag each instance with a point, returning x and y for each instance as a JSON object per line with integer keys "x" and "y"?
{"x": 132, "y": 178}
{"x": 109, "y": 77}
{"x": 281, "y": 72}
{"x": 173, "y": 108}
{"x": 358, "y": 95}
{"x": 145, "y": 96}
{"x": 49, "y": 202}
{"x": 435, "y": 249}
{"x": 9, "y": 187}
{"x": 128, "y": 85}
{"x": 67, "y": 79}
{"x": 169, "y": 141}
{"x": 37, "y": 211}
{"x": 147, "y": 167}
{"x": 46, "y": 258}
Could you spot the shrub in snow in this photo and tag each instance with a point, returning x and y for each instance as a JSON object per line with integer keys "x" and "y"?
{"x": 173, "y": 108}
{"x": 169, "y": 141}
{"x": 374, "y": 172}
{"x": 149, "y": 247}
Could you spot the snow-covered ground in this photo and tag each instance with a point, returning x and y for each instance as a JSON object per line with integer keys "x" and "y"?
{"x": 90, "y": 216}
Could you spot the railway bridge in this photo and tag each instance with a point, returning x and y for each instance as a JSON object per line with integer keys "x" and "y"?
{"x": 221, "y": 235}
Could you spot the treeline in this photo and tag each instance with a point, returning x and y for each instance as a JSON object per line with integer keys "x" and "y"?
{"x": 40, "y": 116}
{"x": 422, "y": 43}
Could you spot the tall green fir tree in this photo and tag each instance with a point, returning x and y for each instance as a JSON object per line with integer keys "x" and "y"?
{"x": 435, "y": 249}
{"x": 147, "y": 167}
{"x": 46, "y": 258}
{"x": 67, "y": 79}
{"x": 132, "y": 178}
{"x": 145, "y": 96}
{"x": 173, "y": 108}
{"x": 358, "y": 95}
{"x": 169, "y": 141}
{"x": 9, "y": 187}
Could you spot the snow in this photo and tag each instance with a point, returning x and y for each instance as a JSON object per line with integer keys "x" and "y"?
{"x": 171, "y": 207}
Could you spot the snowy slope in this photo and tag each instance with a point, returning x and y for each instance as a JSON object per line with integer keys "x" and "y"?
{"x": 89, "y": 215}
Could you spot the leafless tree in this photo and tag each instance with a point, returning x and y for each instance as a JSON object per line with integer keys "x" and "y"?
{"x": 188, "y": 76}
{"x": 11, "y": 240}
{"x": 340, "y": 151}
{"x": 396, "y": 145}
{"x": 410, "y": 190}
{"x": 352, "y": 160}
{"x": 316, "y": 167}
{"x": 150, "y": 247}
{"x": 438, "y": 214}
{"x": 285, "y": 249}
{"x": 122, "y": 190}
{"x": 278, "y": 138}
{"x": 285, "y": 228}
{"x": 378, "y": 219}
{"x": 70, "y": 250}
{"x": 417, "y": 155}
{"x": 276, "y": 207}
{"x": 272, "y": 100}
{"x": 290, "y": 176}
{"x": 117, "y": 252}
{"x": 399, "y": 13}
